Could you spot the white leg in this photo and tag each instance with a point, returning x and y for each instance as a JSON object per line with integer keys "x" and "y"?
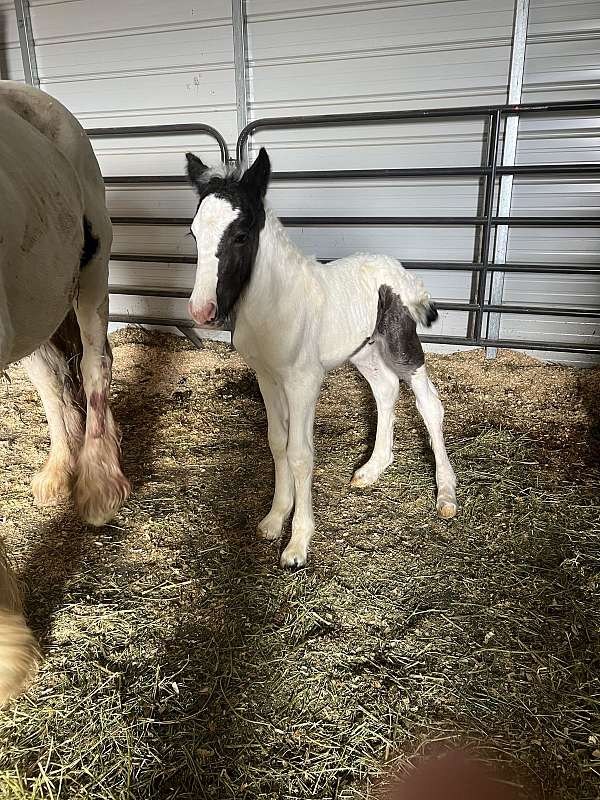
{"x": 100, "y": 488}
{"x": 302, "y": 399}
{"x": 384, "y": 384}
{"x": 283, "y": 497}
{"x": 432, "y": 411}
{"x": 49, "y": 373}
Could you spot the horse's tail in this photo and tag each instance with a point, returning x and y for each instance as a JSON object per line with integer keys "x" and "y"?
{"x": 417, "y": 299}
{"x": 19, "y": 653}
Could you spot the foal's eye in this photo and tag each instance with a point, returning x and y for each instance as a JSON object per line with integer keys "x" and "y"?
{"x": 240, "y": 238}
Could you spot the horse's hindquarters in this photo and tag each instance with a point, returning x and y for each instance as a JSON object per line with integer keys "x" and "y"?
{"x": 41, "y": 239}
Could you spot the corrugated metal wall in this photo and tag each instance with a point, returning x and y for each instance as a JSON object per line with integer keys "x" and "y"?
{"x": 152, "y": 61}
{"x": 562, "y": 63}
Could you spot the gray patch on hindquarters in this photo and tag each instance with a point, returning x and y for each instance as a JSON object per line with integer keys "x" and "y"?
{"x": 396, "y": 336}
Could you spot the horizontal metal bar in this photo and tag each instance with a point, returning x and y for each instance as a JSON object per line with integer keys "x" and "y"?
{"x": 315, "y": 221}
{"x": 150, "y": 291}
{"x": 512, "y": 344}
{"x": 372, "y": 174}
{"x": 458, "y": 266}
{"x": 143, "y": 320}
{"x": 404, "y": 172}
{"x": 547, "y": 221}
{"x": 147, "y": 258}
{"x": 548, "y": 169}
{"x": 161, "y": 130}
{"x": 184, "y": 221}
{"x": 558, "y": 311}
{"x": 439, "y": 221}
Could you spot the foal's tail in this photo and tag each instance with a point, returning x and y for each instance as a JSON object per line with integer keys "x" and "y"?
{"x": 417, "y": 300}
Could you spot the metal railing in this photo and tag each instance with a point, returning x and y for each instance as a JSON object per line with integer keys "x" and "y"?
{"x": 485, "y": 222}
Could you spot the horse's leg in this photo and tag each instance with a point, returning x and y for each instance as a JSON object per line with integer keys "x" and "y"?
{"x": 302, "y": 398}
{"x": 49, "y": 372}
{"x": 432, "y": 411}
{"x": 283, "y": 497}
{"x": 18, "y": 649}
{"x": 100, "y": 486}
{"x": 385, "y": 385}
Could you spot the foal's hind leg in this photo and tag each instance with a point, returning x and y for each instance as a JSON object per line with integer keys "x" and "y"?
{"x": 49, "y": 373}
{"x": 432, "y": 411}
{"x": 384, "y": 384}
{"x": 100, "y": 486}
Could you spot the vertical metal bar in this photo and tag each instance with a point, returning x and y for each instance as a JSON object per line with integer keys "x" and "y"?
{"x": 509, "y": 155}
{"x": 488, "y": 213}
{"x": 240, "y": 62}
{"x": 26, "y": 41}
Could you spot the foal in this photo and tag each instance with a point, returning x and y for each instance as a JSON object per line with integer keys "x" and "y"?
{"x": 295, "y": 319}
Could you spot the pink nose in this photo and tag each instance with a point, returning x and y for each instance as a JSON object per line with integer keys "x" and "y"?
{"x": 204, "y": 314}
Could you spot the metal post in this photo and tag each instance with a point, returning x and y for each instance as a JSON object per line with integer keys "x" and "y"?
{"x": 26, "y": 41}
{"x": 240, "y": 62}
{"x": 509, "y": 154}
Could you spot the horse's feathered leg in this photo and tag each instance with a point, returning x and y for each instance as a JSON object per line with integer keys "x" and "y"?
{"x": 54, "y": 371}
{"x": 100, "y": 486}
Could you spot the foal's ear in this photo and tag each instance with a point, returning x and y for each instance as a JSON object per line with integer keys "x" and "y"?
{"x": 256, "y": 177}
{"x": 196, "y": 170}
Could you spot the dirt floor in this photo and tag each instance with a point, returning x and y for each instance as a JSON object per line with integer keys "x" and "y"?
{"x": 182, "y": 662}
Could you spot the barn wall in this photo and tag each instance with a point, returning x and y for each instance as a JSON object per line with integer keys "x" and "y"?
{"x": 151, "y": 61}
{"x": 562, "y": 63}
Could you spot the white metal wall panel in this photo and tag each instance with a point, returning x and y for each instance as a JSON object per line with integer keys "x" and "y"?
{"x": 11, "y": 64}
{"x": 142, "y": 62}
{"x": 307, "y": 57}
{"x": 562, "y": 63}
{"x": 162, "y": 61}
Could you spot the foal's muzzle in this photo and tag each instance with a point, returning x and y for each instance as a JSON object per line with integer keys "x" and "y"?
{"x": 203, "y": 315}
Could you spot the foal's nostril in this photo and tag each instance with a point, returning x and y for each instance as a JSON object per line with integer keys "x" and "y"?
{"x": 204, "y": 314}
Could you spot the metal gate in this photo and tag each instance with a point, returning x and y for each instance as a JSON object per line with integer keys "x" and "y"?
{"x": 481, "y": 310}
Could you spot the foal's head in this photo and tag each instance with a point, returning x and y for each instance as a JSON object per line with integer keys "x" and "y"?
{"x": 227, "y": 226}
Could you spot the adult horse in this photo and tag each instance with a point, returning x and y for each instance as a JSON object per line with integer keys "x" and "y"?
{"x": 55, "y": 240}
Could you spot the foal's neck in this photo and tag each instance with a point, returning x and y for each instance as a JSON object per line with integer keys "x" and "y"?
{"x": 278, "y": 260}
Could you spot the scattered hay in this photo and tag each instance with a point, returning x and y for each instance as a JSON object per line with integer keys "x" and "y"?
{"x": 181, "y": 662}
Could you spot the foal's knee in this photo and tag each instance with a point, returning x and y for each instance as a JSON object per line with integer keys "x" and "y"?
{"x": 300, "y": 463}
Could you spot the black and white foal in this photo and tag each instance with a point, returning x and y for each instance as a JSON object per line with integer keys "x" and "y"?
{"x": 295, "y": 319}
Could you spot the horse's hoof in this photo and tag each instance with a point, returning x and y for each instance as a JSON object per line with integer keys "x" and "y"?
{"x": 98, "y": 503}
{"x": 51, "y": 485}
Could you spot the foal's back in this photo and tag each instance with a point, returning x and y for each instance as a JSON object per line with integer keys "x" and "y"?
{"x": 350, "y": 291}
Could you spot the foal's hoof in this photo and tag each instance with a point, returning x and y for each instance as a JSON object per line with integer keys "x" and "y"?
{"x": 51, "y": 485}
{"x": 368, "y": 474}
{"x": 293, "y": 557}
{"x": 446, "y": 509}
{"x": 270, "y": 527}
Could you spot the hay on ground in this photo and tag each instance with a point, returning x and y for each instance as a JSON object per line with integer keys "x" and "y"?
{"x": 182, "y": 662}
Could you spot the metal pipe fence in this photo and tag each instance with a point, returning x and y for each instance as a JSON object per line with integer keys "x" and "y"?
{"x": 486, "y": 222}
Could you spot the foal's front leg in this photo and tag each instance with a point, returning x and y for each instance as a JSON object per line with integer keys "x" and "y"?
{"x": 302, "y": 398}
{"x": 278, "y": 419}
